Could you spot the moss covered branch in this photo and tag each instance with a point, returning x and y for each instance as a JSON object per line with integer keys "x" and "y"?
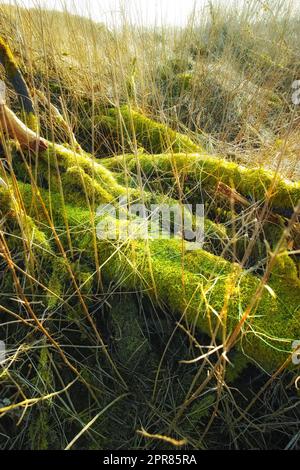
{"x": 17, "y": 130}
{"x": 200, "y": 175}
{"x": 17, "y": 81}
{"x": 191, "y": 284}
{"x": 135, "y": 131}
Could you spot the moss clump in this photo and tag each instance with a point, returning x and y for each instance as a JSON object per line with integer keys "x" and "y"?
{"x": 271, "y": 327}
{"x": 85, "y": 182}
{"x": 20, "y": 227}
{"x": 137, "y": 130}
{"x": 196, "y": 283}
{"x": 84, "y": 188}
{"x": 63, "y": 158}
{"x": 30, "y": 120}
{"x": 5, "y": 201}
{"x": 205, "y": 172}
{"x": 80, "y": 178}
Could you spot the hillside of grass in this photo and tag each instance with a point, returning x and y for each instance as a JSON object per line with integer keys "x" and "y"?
{"x": 143, "y": 342}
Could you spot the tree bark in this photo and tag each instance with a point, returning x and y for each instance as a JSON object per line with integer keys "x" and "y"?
{"x": 16, "y": 129}
{"x": 17, "y": 81}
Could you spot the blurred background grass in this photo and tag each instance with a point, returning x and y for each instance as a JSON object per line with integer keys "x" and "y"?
{"x": 227, "y": 75}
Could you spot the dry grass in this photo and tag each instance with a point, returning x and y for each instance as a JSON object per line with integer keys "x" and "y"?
{"x": 226, "y": 80}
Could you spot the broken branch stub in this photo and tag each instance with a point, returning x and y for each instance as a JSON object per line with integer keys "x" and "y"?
{"x": 17, "y": 130}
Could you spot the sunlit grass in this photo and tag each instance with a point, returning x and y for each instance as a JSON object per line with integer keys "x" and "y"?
{"x": 225, "y": 82}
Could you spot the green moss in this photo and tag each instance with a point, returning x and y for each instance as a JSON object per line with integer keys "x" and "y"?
{"x": 37, "y": 237}
{"x": 205, "y": 172}
{"x": 7, "y": 59}
{"x": 196, "y": 283}
{"x": 83, "y": 188}
{"x": 5, "y": 201}
{"x": 84, "y": 181}
{"x": 60, "y": 288}
{"x": 78, "y": 176}
{"x": 137, "y": 130}
{"x": 271, "y": 327}
{"x": 20, "y": 226}
{"x": 30, "y": 120}
{"x": 285, "y": 269}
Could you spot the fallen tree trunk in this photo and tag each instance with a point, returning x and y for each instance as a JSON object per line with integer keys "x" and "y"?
{"x": 201, "y": 174}
{"x": 17, "y": 81}
{"x": 205, "y": 290}
{"x": 156, "y": 268}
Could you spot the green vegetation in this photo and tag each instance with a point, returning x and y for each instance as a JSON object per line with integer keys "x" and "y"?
{"x": 139, "y": 132}
{"x": 255, "y": 183}
{"x": 111, "y": 338}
